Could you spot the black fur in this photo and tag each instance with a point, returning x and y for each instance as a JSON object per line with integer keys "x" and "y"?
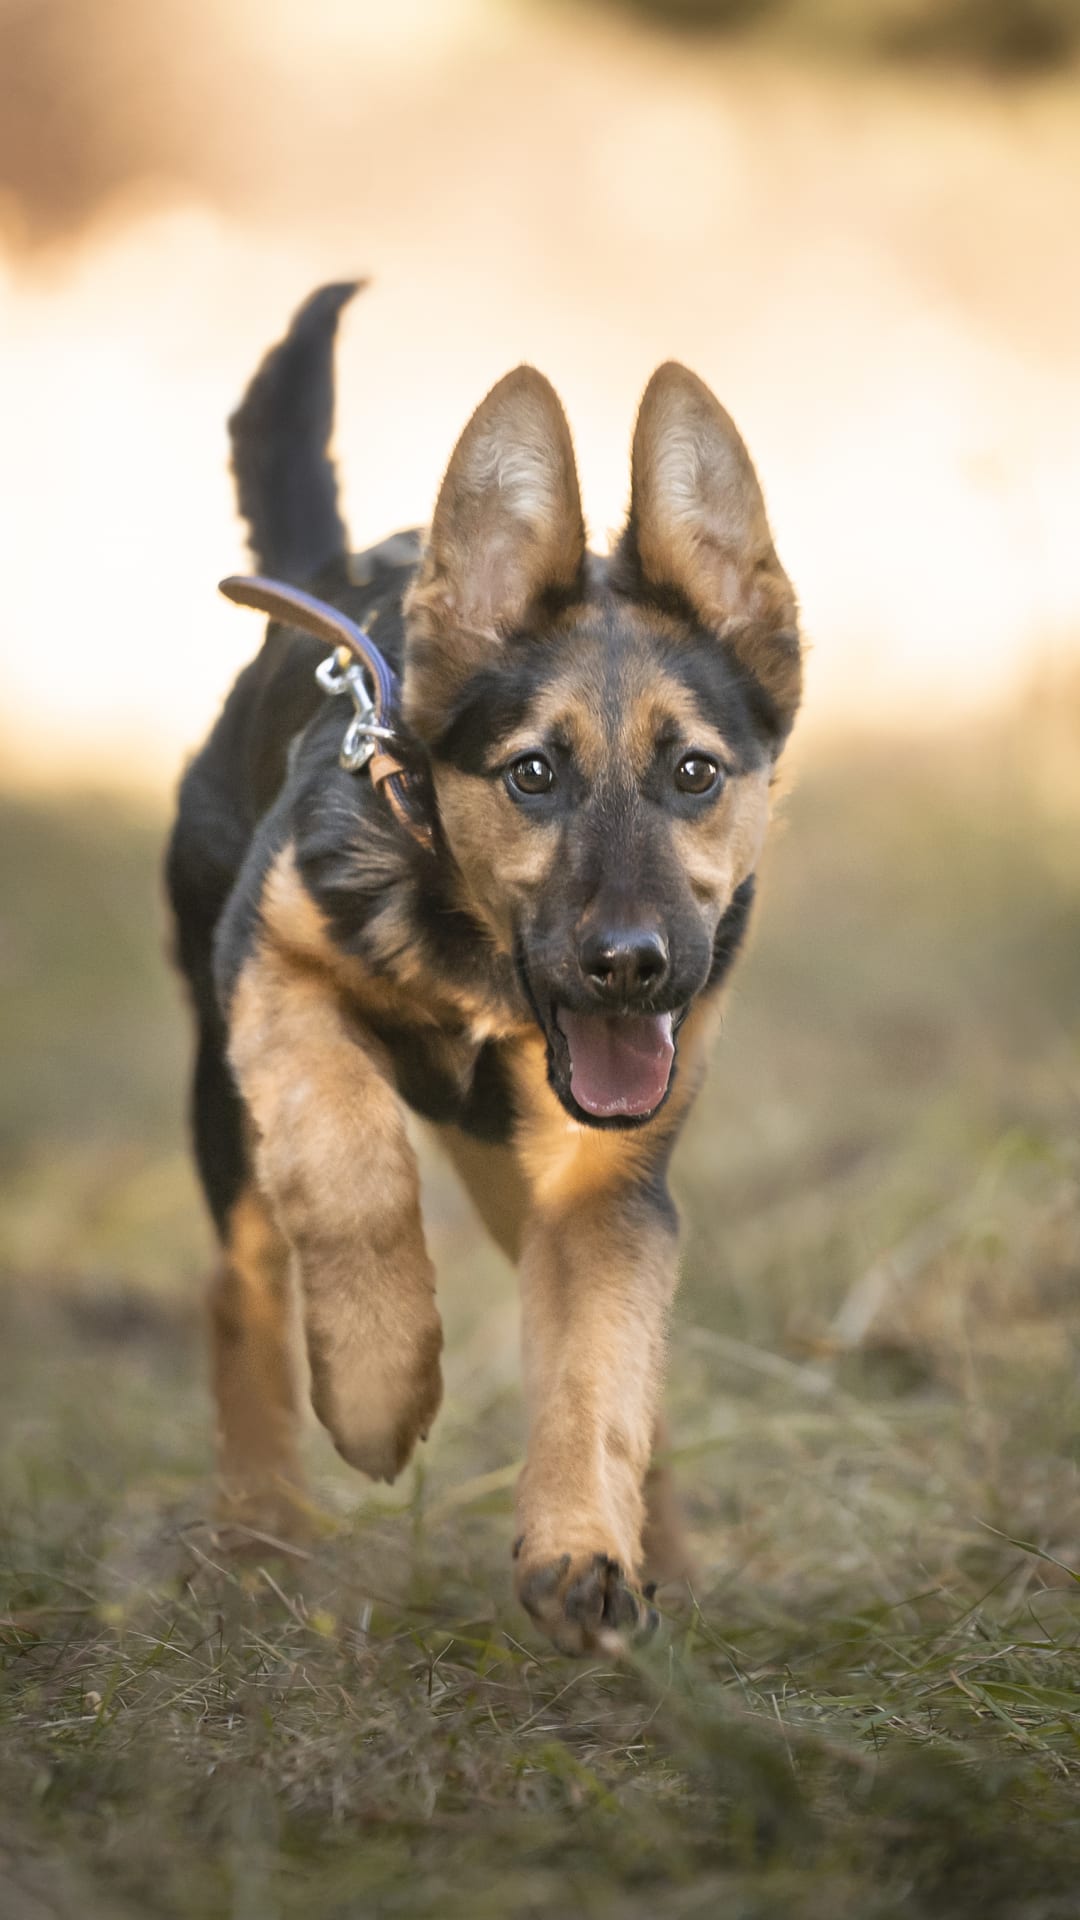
{"x": 280, "y": 434}
{"x": 269, "y": 774}
{"x": 480, "y": 1102}
{"x": 729, "y": 695}
{"x": 731, "y": 932}
{"x": 199, "y": 886}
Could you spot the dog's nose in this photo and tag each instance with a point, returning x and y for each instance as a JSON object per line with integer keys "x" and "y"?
{"x": 625, "y": 966}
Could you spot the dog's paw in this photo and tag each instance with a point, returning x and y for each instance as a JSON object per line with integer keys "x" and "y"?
{"x": 378, "y": 1405}
{"x": 256, "y": 1513}
{"x": 585, "y": 1603}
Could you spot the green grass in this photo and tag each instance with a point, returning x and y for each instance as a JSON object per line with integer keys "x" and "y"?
{"x": 870, "y": 1709}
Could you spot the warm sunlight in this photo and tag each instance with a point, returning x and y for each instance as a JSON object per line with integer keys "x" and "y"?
{"x": 907, "y": 371}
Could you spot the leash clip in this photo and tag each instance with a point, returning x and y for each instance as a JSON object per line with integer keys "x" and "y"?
{"x": 367, "y": 742}
{"x": 341, "y": 672}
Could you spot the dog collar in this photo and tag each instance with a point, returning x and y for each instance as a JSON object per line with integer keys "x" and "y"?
{"x": 356, "y": 668}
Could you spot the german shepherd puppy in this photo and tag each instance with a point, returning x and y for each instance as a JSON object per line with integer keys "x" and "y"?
{"x": 593, "y": 741}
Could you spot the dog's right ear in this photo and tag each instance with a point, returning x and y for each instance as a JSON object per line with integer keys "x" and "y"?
{"x": 506, "y": 534}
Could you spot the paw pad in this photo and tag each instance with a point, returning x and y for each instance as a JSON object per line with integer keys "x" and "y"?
{"x": 586, "y": 1604}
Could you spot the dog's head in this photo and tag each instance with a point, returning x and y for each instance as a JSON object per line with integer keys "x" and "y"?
{"x": 602, "y": 733}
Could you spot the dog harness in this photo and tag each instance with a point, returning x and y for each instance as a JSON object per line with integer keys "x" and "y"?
{"x": 356, "y": 668}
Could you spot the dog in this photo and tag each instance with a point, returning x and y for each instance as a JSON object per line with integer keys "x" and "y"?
{"x": 519, "y": 928}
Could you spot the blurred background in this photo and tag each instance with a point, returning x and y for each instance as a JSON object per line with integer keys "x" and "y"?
{"x": 858, "y": 223}
{"x": 854, "y": 220}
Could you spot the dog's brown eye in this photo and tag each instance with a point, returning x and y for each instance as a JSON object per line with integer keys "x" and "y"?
{"x": 531, "y": 774}
{"x": 697, "y": 773}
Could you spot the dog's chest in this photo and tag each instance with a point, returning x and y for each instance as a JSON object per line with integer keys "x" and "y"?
{"x": 454, "y": 1079}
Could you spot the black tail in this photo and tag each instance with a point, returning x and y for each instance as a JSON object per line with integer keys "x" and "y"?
{"x": 280, "y": 437}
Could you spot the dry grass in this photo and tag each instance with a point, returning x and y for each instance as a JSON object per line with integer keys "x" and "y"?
{"x": 870, "y": 1710}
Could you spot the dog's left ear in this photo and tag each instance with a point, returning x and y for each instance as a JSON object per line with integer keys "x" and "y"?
{"x": 698, "y": 528}
{"x": 507, "y": 533}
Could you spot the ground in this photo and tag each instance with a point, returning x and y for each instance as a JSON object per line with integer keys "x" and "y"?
{"x": 869, "y": 1707}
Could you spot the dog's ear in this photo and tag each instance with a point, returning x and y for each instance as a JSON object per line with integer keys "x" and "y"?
{"x": 698, "y": 530}
{"x": 507, "y": 534}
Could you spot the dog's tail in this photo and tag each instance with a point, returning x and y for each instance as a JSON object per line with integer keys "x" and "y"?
{"x": 280, "y": 434}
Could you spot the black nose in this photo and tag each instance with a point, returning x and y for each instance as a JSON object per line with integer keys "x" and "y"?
{"x": 625, "y": 966}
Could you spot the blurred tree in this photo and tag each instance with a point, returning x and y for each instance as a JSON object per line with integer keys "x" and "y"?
{"x": 1004, "y": 36}
{"x": 719, "y": 15}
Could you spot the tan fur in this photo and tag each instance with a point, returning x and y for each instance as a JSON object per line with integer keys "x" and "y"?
{"x": 504, "y": 856}
{"x": 333, "y": 1156}
{"x": 699, "y": 525}
{"x": 597, "y": 1279}
{"x": 597, "y": 1273}
{"x": 574, "y": 706}
{"x": 255, "y": 1369}
{"x": 720, "y": 851}
{"x": 582, "y": 1209}
{"x": 597, "y": 1270}
{"x": 666, "y": 1554}
{"x": 507, "y": 526}
{"x": 413, "y": 997}
{"x": 493, "y": 1179}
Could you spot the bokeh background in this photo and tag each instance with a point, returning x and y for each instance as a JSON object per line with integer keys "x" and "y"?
{"x": 857, "y": 222}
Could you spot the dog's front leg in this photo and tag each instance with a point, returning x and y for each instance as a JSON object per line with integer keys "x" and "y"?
{"x": 598, "y": 1273}
{"x": 332, "y": 1153}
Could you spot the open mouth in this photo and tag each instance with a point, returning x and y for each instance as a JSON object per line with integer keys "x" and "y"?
{"x": 620, "y": 1063}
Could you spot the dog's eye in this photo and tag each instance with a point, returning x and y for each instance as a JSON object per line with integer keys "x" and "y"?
{"x": 698, "y": 773}
{"x": 531, "y": 775}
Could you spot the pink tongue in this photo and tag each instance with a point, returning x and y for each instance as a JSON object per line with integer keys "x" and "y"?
{"x": 619, "y": 1062}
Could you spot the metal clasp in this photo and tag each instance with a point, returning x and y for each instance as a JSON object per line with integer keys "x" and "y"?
{"x": 341, "y": 673}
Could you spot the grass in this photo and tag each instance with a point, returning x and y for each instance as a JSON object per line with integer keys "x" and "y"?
{"x": 870, "y": 1707}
